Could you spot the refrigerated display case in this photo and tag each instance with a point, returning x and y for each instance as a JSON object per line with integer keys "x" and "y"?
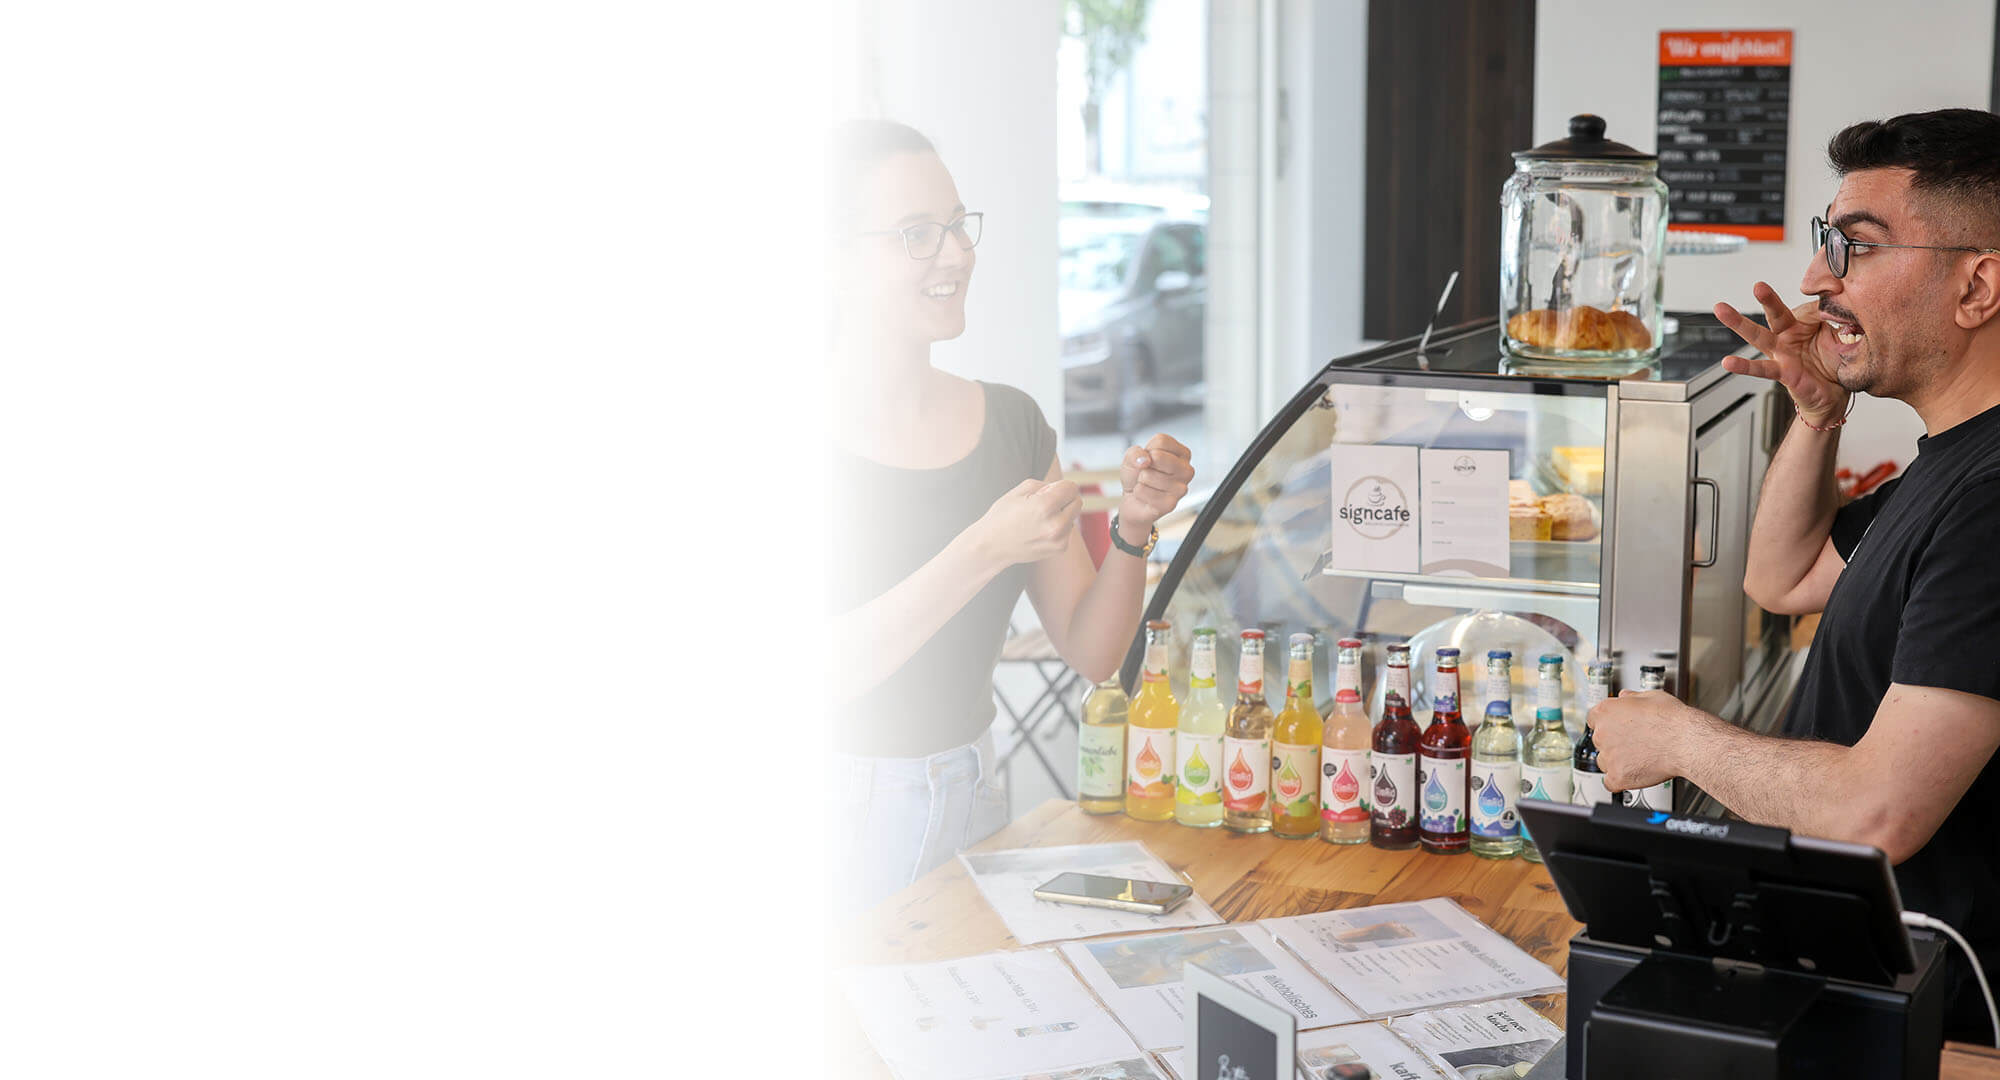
{"x": 1654, "y": 576}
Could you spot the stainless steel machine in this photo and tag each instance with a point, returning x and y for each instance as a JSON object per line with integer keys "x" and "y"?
{"x": 1654, "y": 575}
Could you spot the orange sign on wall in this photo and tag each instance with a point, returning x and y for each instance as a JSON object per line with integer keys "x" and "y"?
{"x": 1724, "y": 126}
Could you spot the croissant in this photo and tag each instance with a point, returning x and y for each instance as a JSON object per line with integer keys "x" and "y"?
{"x": 1583, "y": 328}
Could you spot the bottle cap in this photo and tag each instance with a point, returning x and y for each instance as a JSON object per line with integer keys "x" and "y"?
{"x": 1158, "y": 624}
{"x": 1350, "y": 643}
{"x": 1499, "y": 654}
{"x": 1249, "y": 635}
{"x": 1551, "y": 658}
{"x": 1447, "y": 651}
{"x": 1301, "y": 639}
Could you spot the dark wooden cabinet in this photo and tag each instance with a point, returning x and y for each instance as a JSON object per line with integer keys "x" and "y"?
{"x": 1451, "y": 96}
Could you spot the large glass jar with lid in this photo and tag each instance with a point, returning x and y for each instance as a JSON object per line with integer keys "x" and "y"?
{"x": 1583, "y": 234}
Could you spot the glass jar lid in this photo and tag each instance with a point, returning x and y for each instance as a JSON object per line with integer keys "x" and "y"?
{"x": 1586, "y": 142}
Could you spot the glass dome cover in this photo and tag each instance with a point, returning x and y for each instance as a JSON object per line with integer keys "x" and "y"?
{"x": 1582, "y": 249}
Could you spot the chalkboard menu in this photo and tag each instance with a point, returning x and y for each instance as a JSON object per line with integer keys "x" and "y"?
{"x": 1725, "y": 117}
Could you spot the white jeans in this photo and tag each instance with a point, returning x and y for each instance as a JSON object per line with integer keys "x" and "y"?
{"x": 910, "y": 815}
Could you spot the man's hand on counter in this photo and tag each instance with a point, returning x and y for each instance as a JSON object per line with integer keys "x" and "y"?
{"x": 1642, "y": 737}
{"x": 1154, "y": 479}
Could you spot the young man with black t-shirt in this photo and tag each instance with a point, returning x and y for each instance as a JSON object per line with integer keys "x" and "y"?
{"x": 1890, "y": 734}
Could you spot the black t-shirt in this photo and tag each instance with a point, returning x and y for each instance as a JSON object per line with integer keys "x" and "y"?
{"x": 892, "y": 522}
{"x": 1919, "y": 604}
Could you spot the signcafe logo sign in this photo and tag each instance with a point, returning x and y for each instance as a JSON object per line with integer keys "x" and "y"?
{"x": 1375, "y": 508}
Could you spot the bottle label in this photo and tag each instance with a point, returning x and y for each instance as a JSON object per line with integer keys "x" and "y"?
{"x": 1100, "y": 761}
{"x": 1201, "y": 669}
{"x": 1551, "y": 782}
{"x": 1444, "y": 699}
{"x": 1549, "y": 694}
{"x": 1198, "y": 771}
{"x": 1293, "y": 792}
{"x": 1343, "y": 785}
{"x": 1156, "y": 662}
{"x": 1496, "y": 790}
{"x": 1441, "y": 795}
{"x": 1395, "y": 801}
{"x": 1399, "y": 683}
{"x": 1587, "y": 788}
{"x": 1299, "y": 680}
{"x": 1500, "y": 686}
{"x": 1149, "y": 757}
{"x": 1658, "y": 797}
{"x": 1247, "y": 776}
{"x": 1347, "y": 676}
{"x": 1250, "y": 674}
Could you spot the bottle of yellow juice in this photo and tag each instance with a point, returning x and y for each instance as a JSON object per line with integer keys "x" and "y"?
{"x": 1295, "y": 743}
{"x": 1149, "y": 735}
{"x": 1198, "y": 743}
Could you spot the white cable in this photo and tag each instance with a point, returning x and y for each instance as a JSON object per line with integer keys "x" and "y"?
{"x": 1918, "y": 918}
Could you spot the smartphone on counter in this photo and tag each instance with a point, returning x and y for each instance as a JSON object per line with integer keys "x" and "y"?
{"x": 1124, "y": 894}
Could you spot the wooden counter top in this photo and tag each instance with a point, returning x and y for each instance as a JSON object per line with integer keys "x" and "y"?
{"x": 1243, "y": 878}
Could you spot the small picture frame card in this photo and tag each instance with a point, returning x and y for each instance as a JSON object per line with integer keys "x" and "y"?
{"x": 1375, "y": 508}
{"x": 1465, "y": 513}
{"x": 1234, "y": 1034}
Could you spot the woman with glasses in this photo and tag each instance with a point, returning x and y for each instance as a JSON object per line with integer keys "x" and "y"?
{"x": 948, "y": 504}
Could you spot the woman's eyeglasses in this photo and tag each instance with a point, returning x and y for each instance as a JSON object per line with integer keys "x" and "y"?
{"x": 926, "y": 238}
{"x": 1838, "y": 246}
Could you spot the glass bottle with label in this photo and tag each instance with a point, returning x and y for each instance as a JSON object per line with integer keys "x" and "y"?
{"x": 1343, "y": 755}
{"x": 1496, "y": 766}
{"x": 1587, "y": 780}
{"x": 1100, "y": 749}
{"x": 1660, "y": 796}
{"x": 1392, "y": 760}
{"x": 1246, "y": 744}
{"x": 1546, "y": 760}
{"x": 1295, "y": 736}
{"x": 1149, "y": 735}
{"x": 1198, "y": 741}
{"x": 1442, "y": 756}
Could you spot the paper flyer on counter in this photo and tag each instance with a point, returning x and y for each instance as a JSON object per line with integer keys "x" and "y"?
{"x": 1474, "y": 1042}
{"x": 1138, "y": 1067}
{"x": 1008, "y": 880}
{"x": 1139, "y": 978}
{"x": 989, "y": 1017}
{"x": 1370, "y": 1045}
{"x": 1398, "y": 958}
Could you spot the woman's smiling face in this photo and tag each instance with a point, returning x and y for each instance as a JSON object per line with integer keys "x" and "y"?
{"x": 891, "y": 295}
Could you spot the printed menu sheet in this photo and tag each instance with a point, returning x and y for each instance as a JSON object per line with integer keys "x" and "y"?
{"x": 1141, "y": 1067}
{"x": 1140, "y": 978}
{"x": 1474, "y": 1042}
{"x": 1397, "y": 958}
{"x": 1008, "y": 880}
{"x": 988, "y": 1017}
{"x": 1465, "y": 512}
{"x": 1371, "y": 1046}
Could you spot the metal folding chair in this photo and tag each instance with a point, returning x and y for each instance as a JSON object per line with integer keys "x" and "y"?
{"x": 1032, "y": 648}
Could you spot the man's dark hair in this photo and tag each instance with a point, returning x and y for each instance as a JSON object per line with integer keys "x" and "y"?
{"x": 1954, "y": 160}
{"x": 855, "y": 148}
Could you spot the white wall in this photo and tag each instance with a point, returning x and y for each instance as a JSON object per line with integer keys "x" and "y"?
{"x": 979, "y": 78}
{"x": 1851, "y": 60}
{"x": 1323, "y": 190}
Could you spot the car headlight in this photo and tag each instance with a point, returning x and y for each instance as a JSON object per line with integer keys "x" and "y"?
{"x": 1085, "y": 349}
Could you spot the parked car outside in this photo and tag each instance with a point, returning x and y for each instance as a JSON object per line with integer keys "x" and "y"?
{"x": 1134, "y": 293}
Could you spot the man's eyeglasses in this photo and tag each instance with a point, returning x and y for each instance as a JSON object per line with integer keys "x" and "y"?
{"x": 1838, "y": 246}
{"x": 926, "y": 238}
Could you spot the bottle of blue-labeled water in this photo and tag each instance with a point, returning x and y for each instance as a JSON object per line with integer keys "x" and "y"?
{"x": 1496, "y": 784}
{"x": 1546, "y": 765}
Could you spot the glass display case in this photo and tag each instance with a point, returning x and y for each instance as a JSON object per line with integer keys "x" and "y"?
{"x": 1627, "y": 504}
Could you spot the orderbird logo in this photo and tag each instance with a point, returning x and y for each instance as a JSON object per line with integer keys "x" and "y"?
{"x": 1656, "y": 817}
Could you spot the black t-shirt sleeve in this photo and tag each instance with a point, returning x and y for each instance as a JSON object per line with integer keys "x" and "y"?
{"x": 1028, "y": 430}
{"x": 1950, "y": 627}
{"x": 1850, "y": 522}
